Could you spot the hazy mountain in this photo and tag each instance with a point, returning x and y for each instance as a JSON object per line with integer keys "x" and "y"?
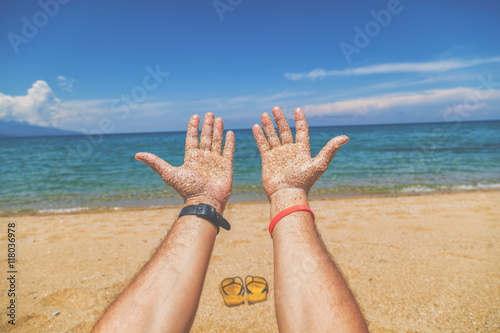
{"x": 17, "y": 129}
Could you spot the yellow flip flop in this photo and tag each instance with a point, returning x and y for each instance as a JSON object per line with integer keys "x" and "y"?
{"x": 232, "y": 291}
{"x": 256, "y": 289}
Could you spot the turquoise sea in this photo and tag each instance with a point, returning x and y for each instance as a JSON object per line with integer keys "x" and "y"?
{"x": 89, "y": 172}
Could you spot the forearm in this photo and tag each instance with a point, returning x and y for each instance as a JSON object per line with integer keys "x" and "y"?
{"x": 312, "y": 295}
{"x": 165, "y": 295}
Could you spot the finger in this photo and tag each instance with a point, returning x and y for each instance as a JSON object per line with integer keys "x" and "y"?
{"x": 217, "y": 138}
{"x": 260, "y": 139}
{"x": 271, "y": 135}
{"x": 301, "y": 128}
{"x": 162, "y": 168}
{"x": 192, "y": 133}
{"x": 206, "y": 132}
{"x": 283, "y": 128}
{"x": 229, "y": 147}
{"x": 325, "y": 156}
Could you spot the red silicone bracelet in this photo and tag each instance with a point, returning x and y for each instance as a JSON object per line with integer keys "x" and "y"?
{"x": 286, "y": 212}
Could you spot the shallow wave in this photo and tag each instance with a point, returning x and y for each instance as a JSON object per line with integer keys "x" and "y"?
{"x": 63, "y": 210}
{"x": 459, "y": 187}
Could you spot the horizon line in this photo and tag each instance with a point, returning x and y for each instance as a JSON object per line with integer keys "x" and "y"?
{"x": 78, "y": 134}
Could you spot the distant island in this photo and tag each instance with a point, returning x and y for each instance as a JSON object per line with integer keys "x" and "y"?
{"x": 9, "y": 129}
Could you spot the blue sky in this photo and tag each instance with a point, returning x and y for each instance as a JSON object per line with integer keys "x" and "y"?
{"x": 87, "y": 65}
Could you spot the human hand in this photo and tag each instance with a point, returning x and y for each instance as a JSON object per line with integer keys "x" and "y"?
{"x": 288, "y": 165}
{"x": 207, "y": 173}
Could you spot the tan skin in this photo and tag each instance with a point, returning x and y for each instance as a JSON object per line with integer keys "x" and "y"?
{"x": 205, "y": 174}
{"x": 164, "y": 296}
{"x": 310, "y": 293}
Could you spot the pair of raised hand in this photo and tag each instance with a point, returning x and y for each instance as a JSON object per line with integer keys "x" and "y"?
{"x": 207, "y": 173}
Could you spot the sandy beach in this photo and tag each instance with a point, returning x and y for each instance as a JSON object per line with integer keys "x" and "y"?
{"x": 423, "y": 263}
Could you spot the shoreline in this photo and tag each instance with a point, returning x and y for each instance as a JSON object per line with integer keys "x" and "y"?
{"x": 115, "y": 208}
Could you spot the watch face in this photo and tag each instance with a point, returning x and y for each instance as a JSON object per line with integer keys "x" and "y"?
{"x": 206, "y": 211}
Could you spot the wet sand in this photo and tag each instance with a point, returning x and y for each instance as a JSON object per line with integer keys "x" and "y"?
{"x": 426, "y": 263}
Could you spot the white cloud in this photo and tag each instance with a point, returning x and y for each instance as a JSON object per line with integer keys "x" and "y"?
{"x": 256, "y": 102}
{"x": 65, "y": 83}
{"x": 80, "y": 115}
{"x": 409, "y": 67}
{"x": 363, "y": 106}
{"x": 41, "y": 107}
{"x": 462, "y": 109}
{"x": 38, "y": 107}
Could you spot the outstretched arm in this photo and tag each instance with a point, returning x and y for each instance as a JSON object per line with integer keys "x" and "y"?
{"x": 310, "y": 292}
{"x": 165, "y": 294}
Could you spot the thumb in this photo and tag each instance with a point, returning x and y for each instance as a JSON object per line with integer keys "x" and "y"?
{"x": 325, "y": 156}
{"x": 162, "y": 168}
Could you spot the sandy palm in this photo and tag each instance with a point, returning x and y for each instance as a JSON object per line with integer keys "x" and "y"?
{"x": 206, "y": 172}
{"x": 288, "y": 164}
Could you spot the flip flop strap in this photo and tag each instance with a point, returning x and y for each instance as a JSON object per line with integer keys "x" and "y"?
{"x": 253, "y": 281}
{"x": 227, "y": 285}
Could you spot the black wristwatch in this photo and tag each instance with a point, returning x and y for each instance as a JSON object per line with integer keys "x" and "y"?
{"x": 207, "y": 212}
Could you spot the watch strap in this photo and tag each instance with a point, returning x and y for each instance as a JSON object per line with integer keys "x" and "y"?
{"x": 207, "y": 212}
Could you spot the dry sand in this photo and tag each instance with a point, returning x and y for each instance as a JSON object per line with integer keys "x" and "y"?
{"x": 427, "y": 263}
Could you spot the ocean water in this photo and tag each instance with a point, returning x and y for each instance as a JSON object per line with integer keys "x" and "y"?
{"x": 89, "y": 172}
